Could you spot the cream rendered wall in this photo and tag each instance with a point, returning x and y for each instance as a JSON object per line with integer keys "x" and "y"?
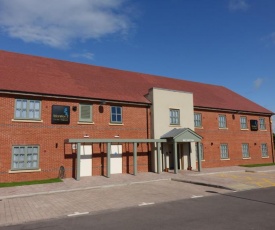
{"x": 162, "y": 101}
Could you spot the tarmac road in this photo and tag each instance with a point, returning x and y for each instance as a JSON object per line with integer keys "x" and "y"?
{"x": 253, "y": 209}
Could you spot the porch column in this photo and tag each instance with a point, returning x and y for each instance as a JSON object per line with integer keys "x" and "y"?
{"x": 158, "y": 157}
{"x": 78, "y": 161}
{"x": 199, "y": 155}
{"x": 108, "y": 159}
{"x": 135, "y": 158}
{"x": 175, "y": 149}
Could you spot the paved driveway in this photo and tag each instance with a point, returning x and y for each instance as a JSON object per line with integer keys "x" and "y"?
{"x": 39, "y": 207}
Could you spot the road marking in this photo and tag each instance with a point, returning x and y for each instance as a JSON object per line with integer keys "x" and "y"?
{"x": 194, "y": 197}
{"x": 144, "y": 204}
{"x": 78, "y": 214}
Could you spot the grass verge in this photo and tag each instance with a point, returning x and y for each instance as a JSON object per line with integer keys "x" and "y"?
{"x": 12, "y": 184}
{"x": 258, "y": 165}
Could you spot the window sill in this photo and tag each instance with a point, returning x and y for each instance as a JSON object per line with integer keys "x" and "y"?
{"x": 246, "y": 158}
{"x": 27, "y": 121}
{"x": 85, "y": 123}
{"x": 265, "y": 157}
{"x": 175, "y": 125}
{"x": 201, "y": 161}
{"x": 25, "y": 171}
{"x": 121, "y": 124}
{"x": 264, "y": 130}
{"x": 223, "y": 128}
{"x": 245, "y": 129}
{"x": 198, "y": 127}
{"x": 227, "y": 159}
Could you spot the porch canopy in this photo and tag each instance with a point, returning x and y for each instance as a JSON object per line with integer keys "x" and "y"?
{"x": 109, "y": 142}
{"x": 182, "y": 135}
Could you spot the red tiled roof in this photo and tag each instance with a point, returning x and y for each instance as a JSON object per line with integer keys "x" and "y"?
{"x": 25, "y": 73}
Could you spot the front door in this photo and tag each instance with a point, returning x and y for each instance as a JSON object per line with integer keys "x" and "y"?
{"x": 85, "y": 160}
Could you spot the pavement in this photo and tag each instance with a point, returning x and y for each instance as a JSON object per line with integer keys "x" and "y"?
{"x": 36, "y": 202}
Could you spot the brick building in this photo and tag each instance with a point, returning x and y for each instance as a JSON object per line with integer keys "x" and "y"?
{"x": 62, "y": 118}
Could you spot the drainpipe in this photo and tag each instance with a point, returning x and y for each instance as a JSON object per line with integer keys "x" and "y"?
{"x": 272, "y": 142}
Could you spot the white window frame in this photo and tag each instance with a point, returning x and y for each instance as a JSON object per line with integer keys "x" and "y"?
{"x": 224, "y": 151}
{"x": 222, "y": 121}
{"x": 197, "y": 120}
{"x": 262, "y": 123}
{"x": 264, "y": 150}
{"x": 245, "y": 150}
{"x": 85, "y": 113}
{"x": 26, "y": 109}
{"x": 243, "y": 122}
{"x": 22, "y": 155}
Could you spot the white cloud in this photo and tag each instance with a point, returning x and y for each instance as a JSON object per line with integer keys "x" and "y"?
{"x": 86, "y": 55}
{"x": 59, "y": 23}
{"x": 235, "y": 5}
{"x": 258, "y": 83}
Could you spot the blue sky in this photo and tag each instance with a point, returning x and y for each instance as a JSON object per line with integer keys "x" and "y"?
{"x": 222, "y": 42}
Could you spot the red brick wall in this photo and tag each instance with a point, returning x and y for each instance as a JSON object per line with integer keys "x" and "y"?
{"x": 50, "y": 138}
{"x": 234, "y": 137}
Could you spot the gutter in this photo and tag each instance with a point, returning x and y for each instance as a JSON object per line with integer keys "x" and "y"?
{"x": 74, "y": 98}
{"x": 233, "y": 111}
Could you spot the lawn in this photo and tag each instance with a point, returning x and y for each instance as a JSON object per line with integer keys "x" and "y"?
{"x": 258, "y": 165}
{"x": 12, "y": 184}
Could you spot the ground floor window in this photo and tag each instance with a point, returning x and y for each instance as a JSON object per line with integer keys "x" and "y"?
{"x": 245, "y": 150}
{"x": 224, "y": 151}
{"x": 25, "y": 157}
{"x": 199, "y": 151}
{"x": 264, "y": 150}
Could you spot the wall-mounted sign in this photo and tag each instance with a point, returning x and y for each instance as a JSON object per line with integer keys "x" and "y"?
{"x": 254, "y": 125}
{"x": 60, "y": 114}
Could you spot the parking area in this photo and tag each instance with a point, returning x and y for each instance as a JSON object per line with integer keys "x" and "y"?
{"x": 39, "y": 207}
{"x": 96, "y": 194}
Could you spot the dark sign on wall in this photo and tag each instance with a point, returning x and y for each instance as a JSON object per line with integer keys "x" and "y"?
{"x": 254, "y": 125}
{"x": 60, "y": 114}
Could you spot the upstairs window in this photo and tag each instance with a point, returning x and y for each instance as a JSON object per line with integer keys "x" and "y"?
{"x": 85, "y": 113}
{"x": 174, "y": 116}
{"x": 27, "y": 109}
{"x": 243, "y": 121}
{"x": 262, "y": 124}
{"x": 197, "y": 120}
{"x": 116, "y": 114}
{"x": 222, "y": 121}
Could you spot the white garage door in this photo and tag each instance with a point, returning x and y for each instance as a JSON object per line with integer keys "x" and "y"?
{"x": 86, "y": 160}
{"x": 116, "y": 159}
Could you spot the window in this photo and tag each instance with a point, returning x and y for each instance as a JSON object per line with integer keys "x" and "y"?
{"x": 85, "y": 113}
{"x": 27, "y": 109}
{"x": 25, "y": 157}
{"x": 200, "y": 151}
{"x": 243, "y": 121}
{"x": 222, "y": 121}
{"x": 245, "y": 150}
{"x": 174, "y": 116}
{"x": 262, "y": 124}
{"x": 224, "y": 151}
{"x": 264, "y": 150}
{"x": 116, "y": 114}
{"x": 197, "y": 120}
